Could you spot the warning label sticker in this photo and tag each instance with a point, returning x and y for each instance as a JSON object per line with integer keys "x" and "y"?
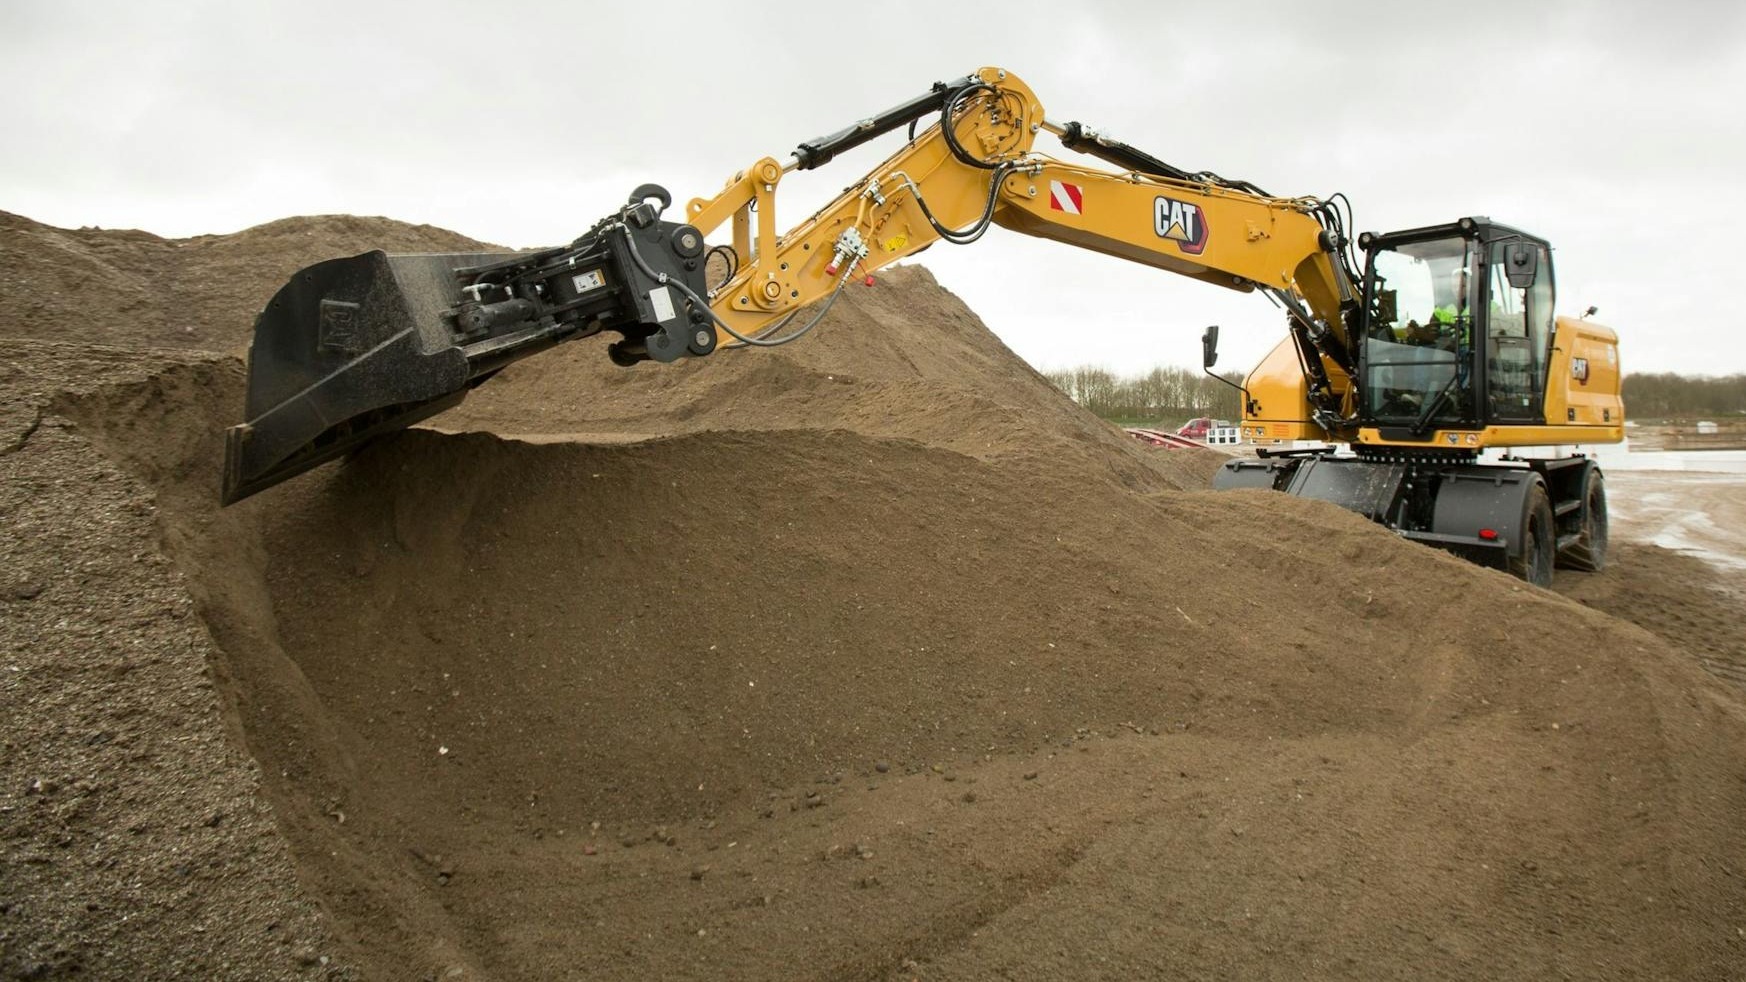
{"x": 661, "y": 298}
{"x": 591, "y": 280}
{"x": 1066, "y": 197}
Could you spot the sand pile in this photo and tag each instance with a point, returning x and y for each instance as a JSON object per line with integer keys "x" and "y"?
{"x": 874, "y": 658}
{"x": 901, "y": 360}
{"x": 136, "y": 289}
{"x": 135, "y": 841}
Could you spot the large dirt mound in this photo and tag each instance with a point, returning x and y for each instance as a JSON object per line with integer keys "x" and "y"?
{"x": 873, "y": 658}
{"x": 904, "y": 360}
{"x": 134, "y": 288}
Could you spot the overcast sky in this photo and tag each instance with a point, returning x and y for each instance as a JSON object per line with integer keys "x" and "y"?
{"x": 1613, "y": 130}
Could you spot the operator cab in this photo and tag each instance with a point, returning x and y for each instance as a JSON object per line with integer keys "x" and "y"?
{"x": 1456, "y": 328}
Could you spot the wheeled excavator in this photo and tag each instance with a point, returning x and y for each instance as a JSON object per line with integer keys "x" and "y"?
{"x": 1410, "y": 386}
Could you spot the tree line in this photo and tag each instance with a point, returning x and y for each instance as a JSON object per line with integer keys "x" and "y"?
{"x": 1162, "y": 395}
{"x": 1661, "y": 394}
{"x": 1171, "y": 395}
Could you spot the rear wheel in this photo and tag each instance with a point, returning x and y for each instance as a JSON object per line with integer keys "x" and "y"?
{"x": 1533, "y": 562}
{"x": 1589, "y": 554}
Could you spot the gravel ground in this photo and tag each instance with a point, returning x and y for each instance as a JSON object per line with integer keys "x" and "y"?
{"x": 134, "y": 840}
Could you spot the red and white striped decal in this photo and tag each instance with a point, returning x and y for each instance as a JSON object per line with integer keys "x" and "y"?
{"x": 1066, "y": 197}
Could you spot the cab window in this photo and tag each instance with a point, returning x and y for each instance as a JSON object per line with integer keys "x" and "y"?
{"x": 1518, "y": 325}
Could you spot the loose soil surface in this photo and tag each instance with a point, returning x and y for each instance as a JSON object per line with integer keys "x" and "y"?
{"x": 1681, "y": 572}
{"x": 868, "y": 658}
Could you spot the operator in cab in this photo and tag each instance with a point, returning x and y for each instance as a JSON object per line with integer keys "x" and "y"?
{"x": 1456, "y": 308}
{"x": 1439, "y": 327}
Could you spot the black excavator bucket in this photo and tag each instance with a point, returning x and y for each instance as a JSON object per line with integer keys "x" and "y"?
{"x": 348, "y": 349}
{"x": 354, "y": 348}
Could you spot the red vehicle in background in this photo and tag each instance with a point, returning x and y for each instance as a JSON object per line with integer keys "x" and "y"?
{"x": 1197, "y": 428}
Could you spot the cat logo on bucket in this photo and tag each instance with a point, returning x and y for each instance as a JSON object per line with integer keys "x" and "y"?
{"x": 1180, "y": 222}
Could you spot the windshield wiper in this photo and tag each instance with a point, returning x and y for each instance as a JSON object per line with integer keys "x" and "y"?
{"x": 1420, "y": 424}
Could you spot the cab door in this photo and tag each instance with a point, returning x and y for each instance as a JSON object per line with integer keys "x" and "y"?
{"x": 1518, "y": 328}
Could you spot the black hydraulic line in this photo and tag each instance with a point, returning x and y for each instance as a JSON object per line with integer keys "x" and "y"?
{"x": 820, "y": 149}
{"x": 1351, "y": 258}
{"x": 768, "y": 338}
{"x": 950, "y": 132}
{"x": 1075, "y": 136}
{"x": 732, "y": 259}
{"x": 965, "y": 236}
{"x": 703, "y": 305}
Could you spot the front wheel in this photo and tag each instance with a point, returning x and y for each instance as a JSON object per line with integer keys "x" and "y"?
{"x": 1539, "y": 547}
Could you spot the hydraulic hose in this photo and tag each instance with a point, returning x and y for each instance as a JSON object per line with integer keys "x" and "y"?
{"x": 755, "y": 341}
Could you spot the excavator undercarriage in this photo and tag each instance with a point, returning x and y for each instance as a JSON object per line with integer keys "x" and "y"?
{"x": 1521, "y": 516}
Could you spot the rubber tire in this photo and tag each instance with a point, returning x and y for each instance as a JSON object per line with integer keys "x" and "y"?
{"x": 1539, "y": 540}
{"x": 1589, "y": 554}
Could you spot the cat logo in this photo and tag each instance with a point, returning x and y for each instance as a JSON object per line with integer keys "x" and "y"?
{"x": 337, "y": 328}
{"x": 1180, "y": 222}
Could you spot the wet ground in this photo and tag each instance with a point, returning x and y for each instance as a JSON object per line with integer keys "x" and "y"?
{"x": 1694, "y": 503}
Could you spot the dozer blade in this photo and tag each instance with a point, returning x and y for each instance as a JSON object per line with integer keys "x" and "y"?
{"x": 354, "y": 348}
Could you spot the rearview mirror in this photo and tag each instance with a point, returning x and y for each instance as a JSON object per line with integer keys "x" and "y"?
{"x": 1209, "y": 346}
{"x": 1386, "y": 306}
{"x": 1209, "y": 353}
{"x": 1521, "y": 262}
